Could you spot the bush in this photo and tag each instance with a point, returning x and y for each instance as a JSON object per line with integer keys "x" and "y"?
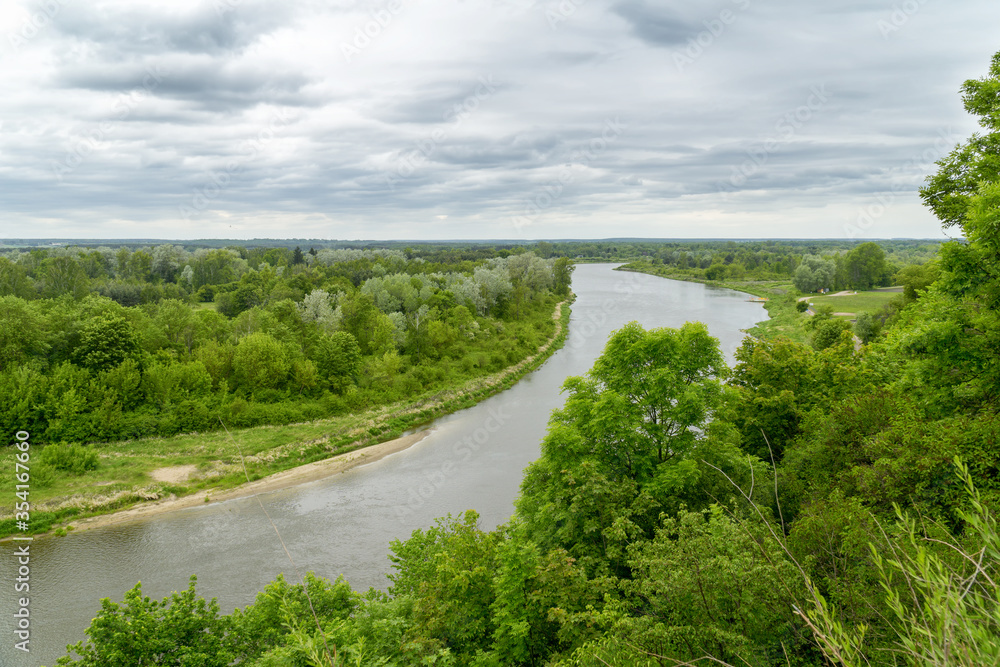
{"x": 867, "y": 327}
{"x": 828, "y": 333}
{"x": 75, "y": 459}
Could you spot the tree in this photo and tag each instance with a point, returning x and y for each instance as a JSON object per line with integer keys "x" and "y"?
{"x": 14, "y": 280}
{"x": 167, "y": 260}
{"x": 370, "y": 327}
{"x": 961, "y": 174}
{"x": 182, "y": 630}
{"x": 297, "y": 257}
{"x": 107, "y": 341}
{"x": 916, "y": 278}
{"x": 828, "y": 332}
{"x": 63, "y": 275}
{"x": 338, "y": 359}
{"x": 260, "y": 362}
{"x": 562, "y": 276}
{"x": 635, "y": 423}
{"x": 956, "y": 332}
{"x": 22, "y": 332}
{"x": 716, "y": 272}
{"x": 449, "y": 570}
{"x": 865, "y": 266}
{"x": 814, "y": 273}
{"x": 315, "y": 307}
{"x": 867, "y": 327}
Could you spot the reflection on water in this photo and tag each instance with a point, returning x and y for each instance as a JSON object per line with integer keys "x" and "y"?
{"x": 344, "y": 524}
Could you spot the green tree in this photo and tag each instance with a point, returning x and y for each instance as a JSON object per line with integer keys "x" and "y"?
{"x": 370, "y": 327}
{"x": 706, "y": 585}
{"x": 916, "y": 278}
{"x": 14, "y": 280}
{"x": 828, "y": 333}
{"x": 260, "y": 362}
{"x": 448, "y": 570}
{"x": 867, "y": 327}
{"x": 105, "y": 342}
{"x": 961, "y": 174}
{"x": 182, "y": 630}
{"x": 338, "y": 360}
{"x": 866, "y": 266}
{"x": 636, "y": 423}
{"x": 814, "y": 273}
{"x": 562, "y": 276}
{"x": 22, "y": 332}
{"x": 63, "y": 275}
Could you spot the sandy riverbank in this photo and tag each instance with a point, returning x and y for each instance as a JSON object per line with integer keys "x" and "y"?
{"x": 305, "y": 473}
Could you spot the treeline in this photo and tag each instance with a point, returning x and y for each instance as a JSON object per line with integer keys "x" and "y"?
{"x": 102, "y": 345}
{"x": 811, "y": 266}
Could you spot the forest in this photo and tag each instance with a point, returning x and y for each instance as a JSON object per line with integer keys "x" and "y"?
{"x": 102, "y": 344}
{"x": 811, "y": 505}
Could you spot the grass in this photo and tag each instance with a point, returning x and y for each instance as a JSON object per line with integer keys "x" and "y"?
{"x": 862, "y": 302}
{"x": 122, "y": 478}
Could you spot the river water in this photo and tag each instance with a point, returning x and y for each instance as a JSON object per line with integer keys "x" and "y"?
{"x": 472, "y": 459}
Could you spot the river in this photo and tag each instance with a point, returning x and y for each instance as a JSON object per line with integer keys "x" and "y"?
{"x": 472, "y": 459}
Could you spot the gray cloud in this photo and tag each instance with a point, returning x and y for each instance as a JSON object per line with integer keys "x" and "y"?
{"x": 658, "y": 24}
{"x": 258, "y": 125}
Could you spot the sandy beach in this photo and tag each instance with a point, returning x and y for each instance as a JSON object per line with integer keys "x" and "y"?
{"x": 305, "y": 473}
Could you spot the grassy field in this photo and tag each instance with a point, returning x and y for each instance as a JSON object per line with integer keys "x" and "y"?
{"x": 862, "y": 302}
{"x": 123, "y": 478}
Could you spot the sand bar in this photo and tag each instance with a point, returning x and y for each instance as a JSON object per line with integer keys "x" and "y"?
{"x": 292, "y": 477}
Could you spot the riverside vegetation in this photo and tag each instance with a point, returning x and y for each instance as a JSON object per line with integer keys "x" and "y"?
{"x": 107, "y": 360}
{"x": 812, "y": 505}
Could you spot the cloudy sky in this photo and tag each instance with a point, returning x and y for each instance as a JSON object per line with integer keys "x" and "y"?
{"x": 472, "y": 119}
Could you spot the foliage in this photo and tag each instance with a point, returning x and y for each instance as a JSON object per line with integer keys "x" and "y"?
{"x": 814, "y": 274}
{"x": 866, "y": 266}
{"x": 106, "y": 342}
{"x": 867, "y": 327}
{"x": 74, "y": 459}
{"x": 829, "y": 332}
{"x": 181, "y": 630}
{"x": 942, "y": 612}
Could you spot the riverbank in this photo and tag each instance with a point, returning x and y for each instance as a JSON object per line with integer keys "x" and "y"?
{"x": 215, "y": 465}
{"x": 310, "y": 472}
{"x": 783, "y": 318}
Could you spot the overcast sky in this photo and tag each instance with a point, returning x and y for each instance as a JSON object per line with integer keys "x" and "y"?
{"x": 432, "y": 119}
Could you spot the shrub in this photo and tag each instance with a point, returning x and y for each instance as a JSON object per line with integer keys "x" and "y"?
{"x": 75, "y": 459}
